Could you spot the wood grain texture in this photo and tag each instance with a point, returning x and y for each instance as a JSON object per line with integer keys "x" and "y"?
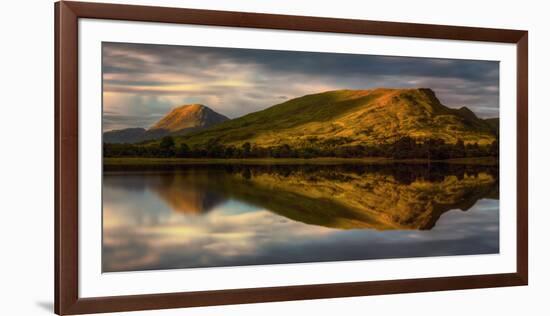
{"x": 290, "y": 22}
{"x": 67, "y": 300}
{"x": 522, "y": 158}
{"x": 66, "y": 158}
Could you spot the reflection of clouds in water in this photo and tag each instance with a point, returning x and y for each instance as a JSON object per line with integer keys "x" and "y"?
{"x": 454, "y": 224}
{"x": 123, "y": 211}
{"x": 220, "y": 234}
{"x": 175, "y": 220}
{"x": 228, "y": 237}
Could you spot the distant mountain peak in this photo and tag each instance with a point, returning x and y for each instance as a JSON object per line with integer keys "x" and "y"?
{"x": 188, "y": 116}
{"x": 180, "y": 120}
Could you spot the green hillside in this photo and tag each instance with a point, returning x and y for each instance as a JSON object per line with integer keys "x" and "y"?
{"x": 350, "y": 117}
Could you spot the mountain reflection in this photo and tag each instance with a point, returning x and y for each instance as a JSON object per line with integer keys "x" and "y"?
{"x": 188, "y": 192}
{"x": 225, "y": 215}
{"x": 381, "y": 197}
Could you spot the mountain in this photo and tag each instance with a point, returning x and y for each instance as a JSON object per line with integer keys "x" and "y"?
{"x": 189, "y": 117}
{"x": 179, "y": 121}
{"x": 350, "y": 117}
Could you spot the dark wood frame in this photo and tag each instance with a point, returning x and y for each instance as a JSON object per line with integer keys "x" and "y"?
{"x": 67, "y": 14}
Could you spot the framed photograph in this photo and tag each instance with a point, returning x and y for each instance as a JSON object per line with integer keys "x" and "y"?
{"x": 211, "y": 157}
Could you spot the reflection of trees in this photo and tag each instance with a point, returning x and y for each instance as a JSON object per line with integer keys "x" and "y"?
{"x": 379, "y": 196}
{"x": 402, "y": 173}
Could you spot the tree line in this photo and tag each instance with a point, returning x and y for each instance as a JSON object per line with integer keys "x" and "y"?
{"x": 403, "y": 148}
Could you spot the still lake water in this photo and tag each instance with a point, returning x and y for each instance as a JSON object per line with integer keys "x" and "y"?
{"x": 229, "y": 215}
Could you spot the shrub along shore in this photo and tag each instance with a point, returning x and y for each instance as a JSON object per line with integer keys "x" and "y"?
{"x": 403, "y": 148}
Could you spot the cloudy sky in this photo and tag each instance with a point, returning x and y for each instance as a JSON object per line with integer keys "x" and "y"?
{"x": 142, "y": 82}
